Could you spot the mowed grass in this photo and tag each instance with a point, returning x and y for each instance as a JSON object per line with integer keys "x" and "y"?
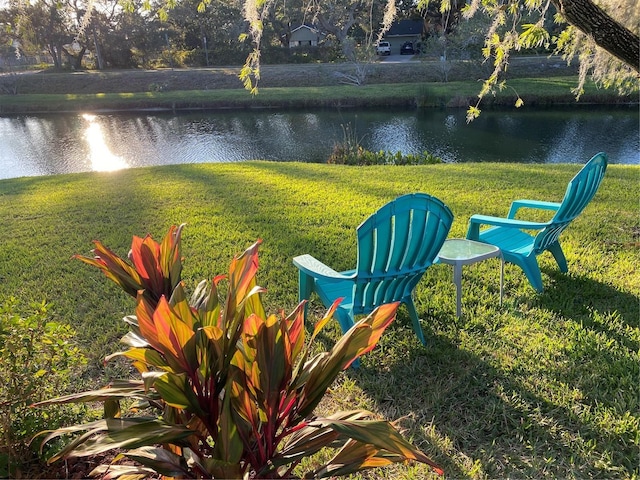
{"x": 545, "y": 386}
{"x": 534, "y": 91}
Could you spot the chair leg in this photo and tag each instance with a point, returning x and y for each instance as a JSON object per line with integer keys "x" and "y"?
{"x": 558, "y": 254}
{"x": 345, "y": 319}
{"x": 305, "y": 286}
{"x": 414, "y": 318}
{"x": 531, "y": 269}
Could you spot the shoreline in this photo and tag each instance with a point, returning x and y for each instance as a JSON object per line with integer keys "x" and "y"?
{"x": 537, "y": 81}
{"x": 214, "y": 108}
{"x": 447, "y": 96}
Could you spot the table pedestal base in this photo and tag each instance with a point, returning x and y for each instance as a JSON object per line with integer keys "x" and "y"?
{"x": 459, "y": 252}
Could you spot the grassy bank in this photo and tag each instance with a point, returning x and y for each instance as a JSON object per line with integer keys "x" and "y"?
{"x": 545, "y": 386}
{"x": 534, "y": 91}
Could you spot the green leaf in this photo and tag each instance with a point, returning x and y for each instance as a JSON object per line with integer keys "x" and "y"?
{"x": 112, "y": 408}
{"x": 472, "y": 113}
{"x": 176, "y": 392}
{"x": 145, "y": 355}
{"x": 533, "y": 36}
{"x": 134, "y": 389}
{"x": 180, "y": 305}
{"x": 311, "y": 438}
{"x": 125, "y": 434}
{"x": 171, "y": 256}
{"x": 360, "y": 339}
{"x": 114, "y": 268}
{"x": 360, "y": 456}
{"x": 229, "y": 448}
{"x": 379, "y": 434}
{"x": 90, "y": 429}
{"x": 135, "y": 340}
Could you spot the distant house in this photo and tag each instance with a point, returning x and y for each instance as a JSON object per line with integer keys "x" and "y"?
{"x": 305, "y": 35}
{"x": 404, "y": 31}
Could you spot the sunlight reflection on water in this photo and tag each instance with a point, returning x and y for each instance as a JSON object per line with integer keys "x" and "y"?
{"x": 102, "y": 160}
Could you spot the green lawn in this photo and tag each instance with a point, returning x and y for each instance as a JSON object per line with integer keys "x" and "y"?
{"x": 545, "y": 386}
{"x": 534, "y": 91}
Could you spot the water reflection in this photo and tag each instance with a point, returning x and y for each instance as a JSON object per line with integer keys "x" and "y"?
{"x": 50, "y": 144}
{"x": 102, "y": 160}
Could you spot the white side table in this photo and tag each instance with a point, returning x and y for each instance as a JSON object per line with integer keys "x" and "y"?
{"x": 459, "y": 252}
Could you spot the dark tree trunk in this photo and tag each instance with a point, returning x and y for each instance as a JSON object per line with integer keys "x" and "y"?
{"x": 99, "y": 50}
{"x": 56, "y": 55}
{"x": 329, "y": 25}
{"x": 607, "y": 33}
{"x": 77, "y": 60}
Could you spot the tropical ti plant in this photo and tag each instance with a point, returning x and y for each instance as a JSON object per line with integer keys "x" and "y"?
{"x": 225, "y": 391}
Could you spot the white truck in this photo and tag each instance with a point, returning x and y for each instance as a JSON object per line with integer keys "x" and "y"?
{"x": 383, "y": 48}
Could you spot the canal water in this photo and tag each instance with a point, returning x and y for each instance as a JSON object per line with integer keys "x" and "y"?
{"x": 33, "y": 145}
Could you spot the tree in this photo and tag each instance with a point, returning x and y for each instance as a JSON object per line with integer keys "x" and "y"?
{"x": 603, "y": 36}
{"x": 451, "y": 39}
{"x": 213, "y": 32}
{"x": 338, "y": 18}
{"x": 39, "y": 27}
{"x": 606, "y": 32}
{"x": 61, "y": 28}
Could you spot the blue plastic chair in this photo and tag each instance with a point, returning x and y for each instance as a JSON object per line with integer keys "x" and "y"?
{"x": 395, "y": 247}
{"x": 522, "y": 248}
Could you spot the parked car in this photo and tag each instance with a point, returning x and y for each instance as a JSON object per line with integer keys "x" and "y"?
{"x": 383, "y": 48}
{"x": 407, "y": 49}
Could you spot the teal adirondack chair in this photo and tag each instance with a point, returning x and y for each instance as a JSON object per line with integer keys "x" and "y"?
{"x": 522, "y": 248}
{"x": 395, "y": 247}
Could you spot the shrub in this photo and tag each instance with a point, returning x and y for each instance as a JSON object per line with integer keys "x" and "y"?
{"x": 225, "y": 391}
{"x": 303, "y": 54}
{"x": 345, "y": 155}
{"x": 350, "y": 152}
{"x": 37, "y": 361}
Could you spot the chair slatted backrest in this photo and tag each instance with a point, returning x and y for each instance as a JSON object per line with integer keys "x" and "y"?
{"x": 580, "y": 191}
{"x": 395, "y": 246}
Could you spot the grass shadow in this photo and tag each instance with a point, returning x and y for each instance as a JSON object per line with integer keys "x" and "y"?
{"x": 579, "y": 296}
{"x": 467, "y": 412}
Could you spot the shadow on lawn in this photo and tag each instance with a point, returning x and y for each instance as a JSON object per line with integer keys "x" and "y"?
{"x": 256, "y": 210}
{"x": 490, "y": 417}
{"x": 495, "y": 416}
{"x": 571, "y": 294}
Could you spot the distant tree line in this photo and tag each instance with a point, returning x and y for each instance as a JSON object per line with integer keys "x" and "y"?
{"x": 100, "y": 34}
{"x": 116, "y": 35}
{"x": 600, "y": 35}
{"x": 103, "y": 34}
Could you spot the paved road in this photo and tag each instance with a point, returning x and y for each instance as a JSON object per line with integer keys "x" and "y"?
{"x": 397, "y": 58}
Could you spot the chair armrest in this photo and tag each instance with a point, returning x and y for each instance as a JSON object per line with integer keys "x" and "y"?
{"x": 540, "y": 205}
{"x": 315, "y": 268}
{"x": 473, "y": 233}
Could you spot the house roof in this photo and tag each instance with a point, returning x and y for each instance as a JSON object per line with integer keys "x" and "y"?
{"x": 405, "y": 27}
{"x": 309, "y": 27}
